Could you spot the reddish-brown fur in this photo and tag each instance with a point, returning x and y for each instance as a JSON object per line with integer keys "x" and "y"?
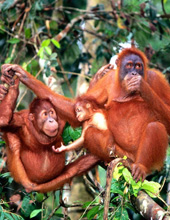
{"x": 31, "y": 159}
{"x": 94, "y": 120}
{"x": 139, "y": 122}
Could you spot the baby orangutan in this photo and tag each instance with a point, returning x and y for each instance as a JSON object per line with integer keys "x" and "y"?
{"x": 94, "y": 117}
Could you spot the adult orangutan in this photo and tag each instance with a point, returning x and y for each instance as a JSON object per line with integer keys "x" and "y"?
{"x": 137, "y": 101}
{"x": 30, "y": 135}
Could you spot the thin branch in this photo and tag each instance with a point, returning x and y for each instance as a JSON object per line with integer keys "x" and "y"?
{"x": 73, "y": 73}
{"x": 19, "y": 102}
{"x": 13, "y": 35}
{"x": 163, "y": 8}
{"x": 109, "y": 177}
{"x": 69, "y": 26}
{"x": 65, "y": 78}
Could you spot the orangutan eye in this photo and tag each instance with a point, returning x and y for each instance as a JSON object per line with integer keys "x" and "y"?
{"x": 129, "y": 65}
{"x": 45, "y": 113}
{"x": 138, "y": 66}
{"x": 51, "y": 112}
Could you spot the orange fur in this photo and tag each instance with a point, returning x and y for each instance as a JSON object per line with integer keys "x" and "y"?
{"x": 30, "y": 158}
{"x": 136, "y": 120}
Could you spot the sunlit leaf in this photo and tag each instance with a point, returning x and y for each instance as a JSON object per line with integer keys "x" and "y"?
{"x": 152, "y": 188}
{"x": 35, "y": 213}
{"x": 117, "y": 172}
{"x": 48, "y": 50}
{"x": 56, "y": 43}
{"x": 45, "y": 43}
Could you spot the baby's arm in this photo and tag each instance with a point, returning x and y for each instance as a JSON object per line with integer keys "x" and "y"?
{"x": 76, "y": 144}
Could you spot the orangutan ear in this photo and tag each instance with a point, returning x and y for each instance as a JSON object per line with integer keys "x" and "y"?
{"x": 31, "y": 116}
{"x": 117, "y": 61}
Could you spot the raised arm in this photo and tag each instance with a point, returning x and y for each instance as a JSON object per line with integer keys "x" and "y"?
{"x": 155, "y": 92}
{"x": 157, "y": 101}
{"x": 8, "y": 103}
{"x": 63, "y": 105}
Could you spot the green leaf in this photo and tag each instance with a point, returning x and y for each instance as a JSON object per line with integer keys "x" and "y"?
{"x": 48, "y": 50}
{"x": 56, "y": 43}
{"x": 27, "y": 33}
{"x": 7, "y": 4}
{"x": 1, "y": 214}
{"x": 41, "y": 52}
{"x": 53, "y": 56}
{"x": 5, "y": 175}
{"x": 10, "y": 216}
{"x": 45, "y": 43}
{"x": 92, "y": 212}
{"x": 39, "y": 197}
{"x": 75, "y": 133}
{"x": 128, "y": 176}
{"x": 35, "y": 213}
{"x": 13, "y": 41}
{"x": 118, "y": 172}
{"x": 27, "y": 206}
{"x": 8, "y": 60}
{"x": 116, "y": 187}
{"x": 86, "y": 204}
{"x": 151, "y": 187}
{"x": 121, "y": 214}
{"x": 65, "y": 135}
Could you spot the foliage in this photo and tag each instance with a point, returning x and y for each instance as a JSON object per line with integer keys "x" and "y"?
{"x": 29, "y": 36}
{"x": 123, "y": 188}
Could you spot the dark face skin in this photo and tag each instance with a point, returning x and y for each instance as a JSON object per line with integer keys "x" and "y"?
{"x": 131, "y": 65}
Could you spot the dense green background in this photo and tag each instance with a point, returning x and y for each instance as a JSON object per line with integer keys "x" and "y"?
{"x": 28, "y": 36}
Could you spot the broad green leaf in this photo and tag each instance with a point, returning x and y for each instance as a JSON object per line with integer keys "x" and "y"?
{"x": 48, "y": 50}
{"x": 121, "y": 214}
{"x": 41, "y": 52}
{"x": 27, "y": 33}
{"x": 127, "y": 175}
{"x": 92, "y": 212}
{"x": 45, "y": 43}
{"x": 117, "y": 172}
{"x": 27, "y": 206}
{"x": 152, "y": 188}
{"x": 8, "y": 60}
{"x": 35, "y": 213}
{"x": 53, "y": 56}
{"x": 116, "y": 187}
{"x": 39, "y": 197}
{"x": 56, "y": 43}
{"x": 75, "y": 133}
{"x": 1, "y": 213}
{"x": 13, "y": 41}
{"x": 10, "y": 216}
{"x": 5, "y": 175}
